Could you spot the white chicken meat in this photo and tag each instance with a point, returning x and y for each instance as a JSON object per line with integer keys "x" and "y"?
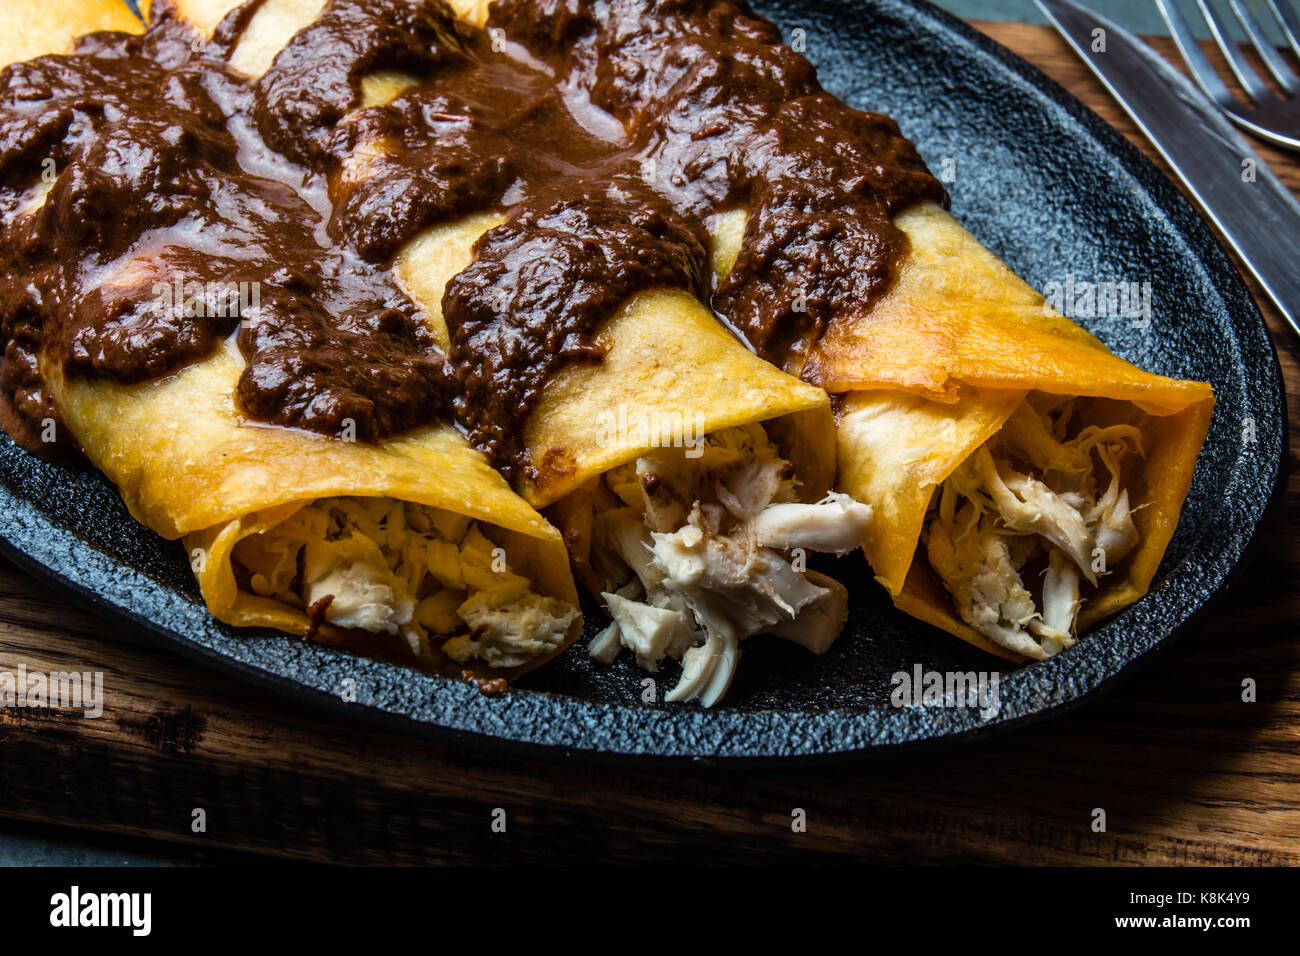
{"x": 715, "y": 546}
{"x": 992, "y": 519}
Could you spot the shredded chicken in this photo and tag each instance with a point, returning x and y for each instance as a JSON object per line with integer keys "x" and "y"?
{"x": 392, "y": 567}
{"x": 363, "y": 593}
{"x": 509, "y": 626}
{"x": 709, "y": 551}
{"x": 976, "y": 564}
{"x": 652, "y": 633}
{"x": 837, "y": 524}
{"x": 1030, "y": 494}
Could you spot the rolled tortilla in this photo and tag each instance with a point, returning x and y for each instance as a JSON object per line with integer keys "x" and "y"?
{"x": 679, "y": 404}
{"x": 413, "y": 547}
{"x": 668, "y": 361}
{"x": 933, "y": 374}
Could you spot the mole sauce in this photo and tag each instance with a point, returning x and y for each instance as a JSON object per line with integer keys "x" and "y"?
{"x": 606, "y": 131}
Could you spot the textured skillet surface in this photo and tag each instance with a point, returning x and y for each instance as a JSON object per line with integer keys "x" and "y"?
{"x": 1042, "y": 182}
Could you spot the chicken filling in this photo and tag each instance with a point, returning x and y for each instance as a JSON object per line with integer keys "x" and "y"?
{"x": 1028, "y": 501}
{"x": 704, "y": 551}
{"x": 393, "y": 567}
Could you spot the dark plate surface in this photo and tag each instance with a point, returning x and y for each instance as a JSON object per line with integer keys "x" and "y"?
{"x": 1042, "y": 182}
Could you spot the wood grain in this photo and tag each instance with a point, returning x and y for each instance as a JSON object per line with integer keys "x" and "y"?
{"x": 1185, "y": 770}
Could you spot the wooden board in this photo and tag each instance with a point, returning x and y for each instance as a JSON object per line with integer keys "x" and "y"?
{"x": 1185, "y": 770}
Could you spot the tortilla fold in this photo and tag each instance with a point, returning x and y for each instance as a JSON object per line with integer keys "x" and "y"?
{"x": 667, "y": 359}
{"x": 936, "y": 368}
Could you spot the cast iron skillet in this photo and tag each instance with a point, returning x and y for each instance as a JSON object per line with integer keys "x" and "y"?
{"x": 1046, "y": 185}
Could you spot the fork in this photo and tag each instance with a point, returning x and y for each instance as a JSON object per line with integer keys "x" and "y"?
{"x": 1272, "y": 117}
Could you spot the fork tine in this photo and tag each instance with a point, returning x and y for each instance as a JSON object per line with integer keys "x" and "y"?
{"x": 1286, "y": 18}
{"x": 1253, "y": 85}
{"x": 1281, "y": 71}
{"x": 1193, "y": 55}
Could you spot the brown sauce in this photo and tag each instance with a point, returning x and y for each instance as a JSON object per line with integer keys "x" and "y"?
{"x": 607, "y": 132}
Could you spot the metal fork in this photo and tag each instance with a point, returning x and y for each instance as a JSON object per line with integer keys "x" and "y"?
{"x": 1274, "y": 118}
